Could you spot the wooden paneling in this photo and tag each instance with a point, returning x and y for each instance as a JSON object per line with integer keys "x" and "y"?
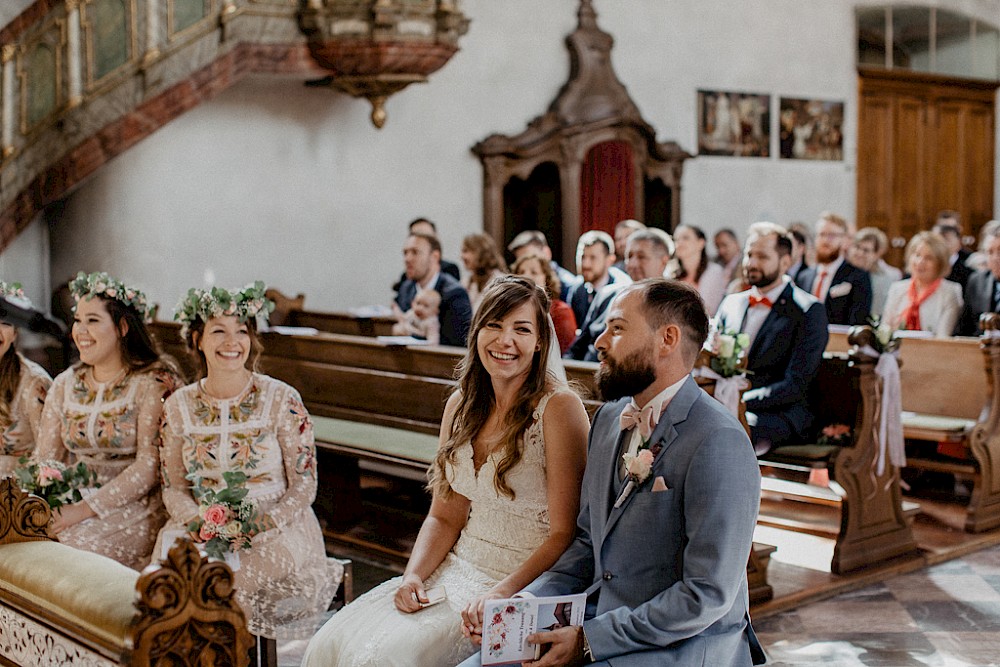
{"x": 925, "y": 143}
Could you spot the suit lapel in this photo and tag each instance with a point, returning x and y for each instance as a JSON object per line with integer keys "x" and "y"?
{"x": 767, "y": 329}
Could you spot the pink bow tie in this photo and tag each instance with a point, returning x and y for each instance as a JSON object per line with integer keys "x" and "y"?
{"x": 632, "y": 416}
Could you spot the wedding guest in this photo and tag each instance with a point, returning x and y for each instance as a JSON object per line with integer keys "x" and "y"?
{"x": 236, "y": 420}
{"x": 533, "y": 242}
{"x": 925, "y": 301}
{"x": 661, "y": 545}
{"x": 484, "y": 262}
{"x": 845, "y": 290}
{"x": 950, "y": 230}
{"x": 505, "y": 485}
{"x": 421, "y": 320}
{"x": 540, "y": 272}
{"x": 623, "y": 230}
{"x": 595, "y": 256}
{"x": 800, "y": 243}
{"x": 694, "y": 268}
{"x": 868, "y": 246}
{"x": 23, "y": 387}
{"x": 982, "y": 294}
{"x": 105, "y": 412}
{"x": 425, "y": 226}
{"x": 422, "y": 260}
{"x": 728, "y": 252}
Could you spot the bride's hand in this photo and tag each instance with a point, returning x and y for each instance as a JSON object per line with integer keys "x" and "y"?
{"x": 472, "y": 618}
{"x": 410, "y": 594}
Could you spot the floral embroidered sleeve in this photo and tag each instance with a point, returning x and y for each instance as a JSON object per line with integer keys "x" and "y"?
{"x": 176, "y": 486}
{"x": 49, "y": 444}
{"x": 33, "y": 403}
{"x": 143, "y": 474}
{"x": 298, "y": 451}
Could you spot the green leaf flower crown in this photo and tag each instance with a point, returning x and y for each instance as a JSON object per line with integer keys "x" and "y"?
{"x": 88, "y": 285}
{"x": 12, "y": 289}
{"x": 245, "y": 303}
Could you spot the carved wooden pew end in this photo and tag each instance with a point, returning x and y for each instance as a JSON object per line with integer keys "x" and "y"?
{"x": 61, "y": 605}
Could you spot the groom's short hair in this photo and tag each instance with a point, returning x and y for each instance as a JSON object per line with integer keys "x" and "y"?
{"x": 673, "y": 302}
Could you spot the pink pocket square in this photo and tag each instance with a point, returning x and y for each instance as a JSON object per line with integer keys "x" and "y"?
{"x": 658, "y": 485}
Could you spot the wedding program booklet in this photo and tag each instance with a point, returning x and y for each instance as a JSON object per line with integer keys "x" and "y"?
{"x": 509, "y": 622}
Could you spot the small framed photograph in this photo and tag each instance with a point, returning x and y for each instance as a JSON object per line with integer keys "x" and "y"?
{"x": 810, "y": 129}
{"x": 735, "y": 124}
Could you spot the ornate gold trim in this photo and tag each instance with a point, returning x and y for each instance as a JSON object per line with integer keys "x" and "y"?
{"x": 210, "y": 20}
{"x": 87, "y": 30}
{"x": 8, "y": 52}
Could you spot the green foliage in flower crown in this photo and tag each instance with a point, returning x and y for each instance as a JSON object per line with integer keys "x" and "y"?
{"x": 88, "y": 285}
{"x": 217, "y": 302}
{"x": 11, "y": 289}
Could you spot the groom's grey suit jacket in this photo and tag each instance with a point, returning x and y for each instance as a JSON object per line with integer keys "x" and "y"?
{"x": 670, "y": 565}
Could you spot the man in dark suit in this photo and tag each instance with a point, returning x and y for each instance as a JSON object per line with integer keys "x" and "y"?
{"x": 534, "y": 242}
{"x": 422, "y": 256}
{"x": 957, "y": 255}
{"x": 982, "y": 291}
{"x": 799, "y": 245}
{"x": 594, "y": 258}
{"x": 788, "y": 333}
{"x": 660, "y": 548}
{"x": 844, "y": 288}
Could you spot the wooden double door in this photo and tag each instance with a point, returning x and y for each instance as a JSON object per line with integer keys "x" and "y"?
{"x": 925, "y": 144}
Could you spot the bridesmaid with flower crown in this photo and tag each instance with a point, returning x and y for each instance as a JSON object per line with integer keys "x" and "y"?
{"x": 237, "y": 427}
{"x": 105, "y": 411}
{"x": 23, "y": 386}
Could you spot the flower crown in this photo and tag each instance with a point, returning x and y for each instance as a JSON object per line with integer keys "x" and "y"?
{"x": 245, "y": 303}
{"x": 85, "y": 286}
{"x": 11, "y": 289}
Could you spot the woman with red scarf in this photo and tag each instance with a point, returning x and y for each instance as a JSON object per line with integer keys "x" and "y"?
{"x": 925, "y": 301}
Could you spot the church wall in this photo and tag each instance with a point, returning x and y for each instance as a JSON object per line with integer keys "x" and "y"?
{"x": 294, "y": 186}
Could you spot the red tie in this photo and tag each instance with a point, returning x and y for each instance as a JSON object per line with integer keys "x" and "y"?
{"x": 818, "y": 290}
{"x": 762, "y": 301}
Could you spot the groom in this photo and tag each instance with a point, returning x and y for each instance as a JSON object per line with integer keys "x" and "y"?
{"x": 664, "y": 558}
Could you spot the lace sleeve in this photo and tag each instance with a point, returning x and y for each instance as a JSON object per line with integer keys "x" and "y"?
{"x": 49, "y": 439}
{"x": 298, "y": 452}
{"x": 33, "y": 403}
{"x": 177, "y": 495}
{"x": 142, "y": 475}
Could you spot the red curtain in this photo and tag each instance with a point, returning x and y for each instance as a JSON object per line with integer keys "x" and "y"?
{"x": 607, "y": 187}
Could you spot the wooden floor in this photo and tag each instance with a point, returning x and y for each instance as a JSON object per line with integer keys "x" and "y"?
{"x": 799, "y": 570}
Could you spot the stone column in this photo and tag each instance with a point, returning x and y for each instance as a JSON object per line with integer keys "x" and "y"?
{"x": 7, "y": 114}
{"x": 74, "y": 61}
{"x": 152, "y": 32}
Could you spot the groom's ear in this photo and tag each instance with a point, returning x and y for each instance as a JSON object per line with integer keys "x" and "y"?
{"x": 669, "y": 339}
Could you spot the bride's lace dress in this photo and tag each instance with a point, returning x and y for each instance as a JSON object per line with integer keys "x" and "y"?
{"x": 499, "y": 535}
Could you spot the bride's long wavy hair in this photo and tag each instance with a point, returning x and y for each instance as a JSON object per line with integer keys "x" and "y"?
{"x": 503, "y": 294}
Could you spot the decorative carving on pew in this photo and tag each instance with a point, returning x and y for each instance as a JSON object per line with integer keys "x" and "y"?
{"x": 984, "y": 441}
{"x": 188, "y": 614}
{"x": 24, "y": 641}
{"x": 24, "y": 517}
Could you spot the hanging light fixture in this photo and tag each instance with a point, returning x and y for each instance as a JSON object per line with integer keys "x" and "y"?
{"x": 374, "y": 48}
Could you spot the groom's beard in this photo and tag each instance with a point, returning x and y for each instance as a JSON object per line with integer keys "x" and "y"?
{"x": 628, "y": 377}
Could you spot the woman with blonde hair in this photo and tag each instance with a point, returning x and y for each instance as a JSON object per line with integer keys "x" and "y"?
{"x": 23, "y": 387}
{"x": 105, "y": 412}
{"x": 235, "y": 423}
{"x": 506, "y": 488}
{"x": 925, "y": 301}
{"x": 484, "y": 262}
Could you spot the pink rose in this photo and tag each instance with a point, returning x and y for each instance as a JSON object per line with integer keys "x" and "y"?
{"x": 640, "y": 465}
{"x": 48, "y": 474}
{"x": 215, "y": 514}
{"x": 206, "y": 533}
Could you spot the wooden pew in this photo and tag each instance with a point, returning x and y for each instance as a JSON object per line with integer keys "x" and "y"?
{"x": 60, "y": 605}
{"x": 873, "y": 525}
{"x": 342, "y": 323}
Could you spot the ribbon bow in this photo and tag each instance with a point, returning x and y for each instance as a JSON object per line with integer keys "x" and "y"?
{"x": 632, "y": 416}
{"x": 762, "y": 301}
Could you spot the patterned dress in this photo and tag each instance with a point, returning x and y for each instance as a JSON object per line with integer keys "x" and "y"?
{"x": 113, "y": 427}
{"x": 19, "y": 433}
{"x": 284, "y": 580}
{"x": 498, "y": 537}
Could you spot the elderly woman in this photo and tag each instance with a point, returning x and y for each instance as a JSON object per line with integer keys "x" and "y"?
{"x": 925, "y": 301}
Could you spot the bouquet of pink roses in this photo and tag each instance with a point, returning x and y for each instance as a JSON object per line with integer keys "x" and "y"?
{"x": 55, "y": 482}
{"x": 227, "y": 519}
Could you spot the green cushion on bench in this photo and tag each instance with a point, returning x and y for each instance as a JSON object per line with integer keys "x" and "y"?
{"x": 383, "y": 440}
{"x": 936, "y": 422}
{"x": 807, "y": 455}
{"x": 94, "y": 592}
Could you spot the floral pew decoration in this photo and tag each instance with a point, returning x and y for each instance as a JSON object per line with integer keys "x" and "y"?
{"x": 724, "y": 359}
{"x": 881, "y": 341}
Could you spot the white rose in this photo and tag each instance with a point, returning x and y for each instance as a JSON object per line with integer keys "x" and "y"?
{"x": 727, "y": 345}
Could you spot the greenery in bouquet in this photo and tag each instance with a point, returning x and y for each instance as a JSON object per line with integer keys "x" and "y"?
{"x": 835, "y": 434}
{"x": 886, "y": 338}
{"x": 227, "y": 519}
{"x": 729, "y": 349}
{"x": 55, "y": 482}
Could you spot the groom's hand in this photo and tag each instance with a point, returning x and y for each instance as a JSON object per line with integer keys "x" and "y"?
{"x": 564, "y": 647}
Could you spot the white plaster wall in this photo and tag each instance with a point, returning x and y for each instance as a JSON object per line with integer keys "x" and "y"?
{"x": 294, "y": 186}
{"x": 26, "y": 261}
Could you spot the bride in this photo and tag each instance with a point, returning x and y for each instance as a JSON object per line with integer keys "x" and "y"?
{"x": 506, "y": 488}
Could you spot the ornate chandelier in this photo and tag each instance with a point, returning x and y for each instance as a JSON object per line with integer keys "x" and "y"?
{"x": 374, "y": 48}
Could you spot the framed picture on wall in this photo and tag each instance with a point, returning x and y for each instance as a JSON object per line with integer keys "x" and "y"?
{"x": 811, "y": 129}
{"x": 736, "y": 124}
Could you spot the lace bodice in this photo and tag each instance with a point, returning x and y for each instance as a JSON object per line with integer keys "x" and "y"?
{"x": 18, "y": 434}
{"x": 501, "y": 534}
